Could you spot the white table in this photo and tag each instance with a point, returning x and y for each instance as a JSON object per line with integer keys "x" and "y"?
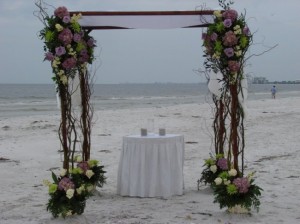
{"x": 151, "y": 166}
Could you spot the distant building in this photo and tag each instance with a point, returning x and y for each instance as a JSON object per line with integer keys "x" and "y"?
{"x": 259, "y": 80}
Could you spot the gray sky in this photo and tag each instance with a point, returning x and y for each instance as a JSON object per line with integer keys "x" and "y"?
{"x": 135, "y": 56}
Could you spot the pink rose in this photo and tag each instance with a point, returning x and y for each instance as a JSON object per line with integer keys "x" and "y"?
{"x": 230, "y": 39}
{"x": 233, "y": 66}
{"x": 230, "y": 14}
{"x": 61, "y": 12}
{"x": 69, "y": 63}
{"x": 66, "y": 36}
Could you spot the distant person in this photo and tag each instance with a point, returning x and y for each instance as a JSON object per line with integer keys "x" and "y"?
{"x": 273, "y": 91}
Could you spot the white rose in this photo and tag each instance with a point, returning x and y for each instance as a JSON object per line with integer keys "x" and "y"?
{"x": 227, "y": 182}
{"x": 70, "y": 193}
{"x": 213, "y": 168}
{"x": 64, "y": 79}
{"x": 250, "y": 176}
{"x": 61, "y": 72}
{"x": 58, "y": 27}
{"x": 218, "y": 13}
{"x": 89, "y": 173}
{"x": 80, "y": 189}
{"x": 218, "y": 180}
{"x": 232, "y": 172}
{"x": 63, "y": 172}
{"x": 89, "y": 188}
{"x": 237, "y": 27}
{"x": 238, "y": 53}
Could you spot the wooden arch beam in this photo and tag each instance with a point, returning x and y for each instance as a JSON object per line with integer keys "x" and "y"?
{"x": 144, "y": 19}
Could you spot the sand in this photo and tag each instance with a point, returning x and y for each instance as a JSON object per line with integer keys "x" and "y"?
{"x": 29, "y": 148}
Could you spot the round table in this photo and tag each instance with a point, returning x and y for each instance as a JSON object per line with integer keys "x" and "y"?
{"x": 151, "y": 166}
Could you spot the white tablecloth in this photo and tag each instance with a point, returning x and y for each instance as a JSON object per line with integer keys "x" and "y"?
{"x": 151, "y": 166}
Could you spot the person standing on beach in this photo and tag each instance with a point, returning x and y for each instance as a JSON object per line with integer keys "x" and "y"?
{"x": 273, "y": 91}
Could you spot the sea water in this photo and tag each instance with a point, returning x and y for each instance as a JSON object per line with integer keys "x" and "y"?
{"x": 41, "y": 99}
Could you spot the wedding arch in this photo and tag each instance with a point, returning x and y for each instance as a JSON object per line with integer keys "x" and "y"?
{"x": 226, "y": 42}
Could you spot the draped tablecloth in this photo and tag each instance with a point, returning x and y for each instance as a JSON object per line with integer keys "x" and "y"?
{"x": 151, "y": 166}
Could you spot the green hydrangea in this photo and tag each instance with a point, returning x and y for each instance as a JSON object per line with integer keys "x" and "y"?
{"x": 210, "y": 162}
{"x": 52, "y": 188}
{"x": 218, "y": 46}
{"x": 49, "y": 36}
{"x": 243, "y": 42}
{"x": 93, "y": 163}
{"x": 76, "y": 27}
{"x": 220, "y": 27}
{"x": 77, "y": 170}
{"x": 80, "y": 47}
{"x": 224, "y": 175}
{"x": 231, "y": 189}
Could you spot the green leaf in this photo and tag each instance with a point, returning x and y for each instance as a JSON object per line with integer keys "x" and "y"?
{"x": 54, "y": 178}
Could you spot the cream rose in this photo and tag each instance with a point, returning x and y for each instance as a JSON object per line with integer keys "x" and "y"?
{"x": 89, "y": 173}
{"x": 213, "y": 168}
{"x": 63, "y": 172}
{"x": 58, "y": 27}
{"x": 70, "y": 193}
{"x": 218, "y": 181}
{"x": 232, "y": 172}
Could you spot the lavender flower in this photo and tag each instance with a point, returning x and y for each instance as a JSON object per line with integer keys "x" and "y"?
{"x": 49, "y": 56}
{"x": 222, "y": 163}
{"x": 66, "y": 36}
{"x": 242, "y": 184}
{"x": 61, "y": 12}
{"x": 69, "y": 63}
{"x": 59, "y": 51}
{"x": 204, "y": 36}
{"x": 230, "y": 39}
{"x": 77, "y": 37}
{"x": 213, "y": 36}
{"x": 246, "y": 31}
{"x": 230, "y": 14}
{"x": 91, "y": 42}
{"x": 66, "y": 19}
{"x": 229, "y": 52}
{"x": 227, "y": 23}
{"x": 83, "y": 165}
{"x": 65, "y": 184}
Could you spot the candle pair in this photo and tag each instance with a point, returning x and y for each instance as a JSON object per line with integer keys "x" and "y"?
{"x": 161, "y": 131}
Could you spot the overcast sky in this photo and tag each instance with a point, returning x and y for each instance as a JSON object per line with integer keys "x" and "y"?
{"x": 134, "y": 56}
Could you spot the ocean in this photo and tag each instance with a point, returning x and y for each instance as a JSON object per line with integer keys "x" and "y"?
{"x": 40, "y": 99}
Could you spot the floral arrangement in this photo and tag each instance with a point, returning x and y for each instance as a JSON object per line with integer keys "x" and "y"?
{"x": 231, "y": 190}
{"x": 213, "y": 167}
{"x": 70, "y": 189}
{"x": 226, "y": 42}
{"x": 67, "y": 46}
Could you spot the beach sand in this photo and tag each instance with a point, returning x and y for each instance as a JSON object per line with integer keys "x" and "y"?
{"x": 31, "y": 147}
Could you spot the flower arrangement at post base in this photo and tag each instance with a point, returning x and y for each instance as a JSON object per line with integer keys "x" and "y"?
{"x": 213, "y": 167}
{"x": 232, "y": 191}
{"x": 70, "y": 190}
